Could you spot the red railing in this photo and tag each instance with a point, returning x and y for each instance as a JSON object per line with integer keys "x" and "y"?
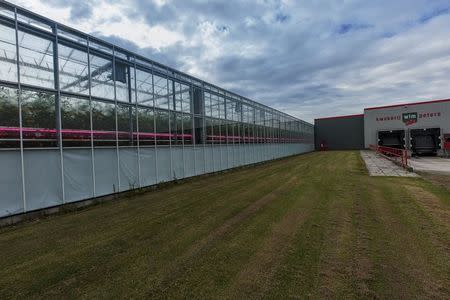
{"x": 394, "y": 154}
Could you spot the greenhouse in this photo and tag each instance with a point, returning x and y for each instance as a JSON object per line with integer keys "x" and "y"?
{"x": 81, "y": 118}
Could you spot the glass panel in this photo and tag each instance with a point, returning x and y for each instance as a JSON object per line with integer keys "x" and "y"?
{"x": 9, "y": 118}
{"x": 121, "y": 55}
{"x": 6, "y": 12}
{"x": 236, "y": 133}
{"x": 209, "y": 127}
{"x": 187, "y": 129}
{"x": 75, "y": 122}
{"x": 217, "y": 139}
{"x": 207, "y": 99}
{"x": 186, "y": 98}
{"x": 72, "y": 36}
{"x": 198, "y": 101}
{"x": 38, "y": 119}
{"x": 101, "y": 47}
{"x": 8, "y": 57}
{"x": 159, "y": 68}
{"x": 101, "y": 77}
{"x": 199, "y": 133}
{"x": 146, "y": 126}
{"x": 223, "y": 132}
{"x": 230, "y": 132}
{"x": 73, "y": 70}
{"x": 122, "y": 71}
{"x": 104, "y": 123}
{"x": 143, "y": 62}
{"x": 171, "y": 94}
{"x": 161, "y": 99}
{"x": 33, "y": 22}
{"x": 178, "y": 97}
{"x": 162, "y": 127}
{"x": 126, "y": 124}
{"x": 229, "y": 109}
{"x": 144, "y": 87}
{"x": 215, "y": 106}
{"x": 221, "y": 103}
{"x": 36, "y": 60}
{"x": 176, "y": 128}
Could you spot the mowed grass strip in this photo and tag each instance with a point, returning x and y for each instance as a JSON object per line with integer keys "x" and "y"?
{"x": 314, "y": 225}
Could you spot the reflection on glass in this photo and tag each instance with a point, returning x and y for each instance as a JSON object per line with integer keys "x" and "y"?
{"x": 9, "y": 118}
{"x": 38, "y": 119}
{"x": 161, "y": 97}
{"x": 75, "y": 122}
{"x": 187, "y": 129}
{"x": 146, "y": 126}
{"x": 144, "y": 84}
{"x": 73, "y": 70}
{"x": 126, "y": 124}
{"x": 101, "y": 77}
{"x": 8, "y": 57}
{"x": 104, "y": 123}
{"x": 122, "y": 71}
{"x": 36, "y": 60}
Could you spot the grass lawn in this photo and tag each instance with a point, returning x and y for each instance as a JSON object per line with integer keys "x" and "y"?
{"x": 314, "y": 225}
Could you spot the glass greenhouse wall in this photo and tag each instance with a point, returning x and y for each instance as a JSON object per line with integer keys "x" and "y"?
{"x": 82, "y": 118}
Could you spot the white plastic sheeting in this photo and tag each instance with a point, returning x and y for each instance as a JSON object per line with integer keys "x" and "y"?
{"x": 78, "y": 182}
{"x": 115, "y": 170}
{"x": 43, "y": 184}
{"x": 148, "y": 166}
{"x": 128, "y": 169}
{"x": 106, "y": 175}
{"x": 10, "y": 183}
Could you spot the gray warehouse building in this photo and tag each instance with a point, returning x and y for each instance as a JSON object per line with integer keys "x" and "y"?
{"x": 421, "y": 128}
{"x": 339, "y": 133}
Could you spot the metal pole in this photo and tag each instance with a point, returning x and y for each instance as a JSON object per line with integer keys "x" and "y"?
{"x": 58, "y": 108}
{"x": 170, "y": 125}
{"x": 154, "y": 127}
{"x": 194, "y": 135}
{"x": 19, "y": 96}
{"x": 137, "y": 122}
{"x": 117, "y": 124}
{"x": 91, "y": 119}
{"x": 182, "y": 131}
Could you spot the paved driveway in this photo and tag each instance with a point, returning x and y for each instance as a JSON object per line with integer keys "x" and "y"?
{"x": 430, "y": 164}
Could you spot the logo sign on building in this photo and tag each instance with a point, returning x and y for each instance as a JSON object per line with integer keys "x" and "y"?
{"x": 409, "y": 118}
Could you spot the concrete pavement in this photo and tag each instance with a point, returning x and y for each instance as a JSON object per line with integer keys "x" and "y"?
{"x": 378, "y": 165}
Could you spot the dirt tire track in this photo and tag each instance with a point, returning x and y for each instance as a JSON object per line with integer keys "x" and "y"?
{"x": 362, "y": 265}
{"x": 431, "y": 204}
{"x": 254, "y": 279}
{"x": 179, "y": 265}
{"x": 398, "y": 264}
{"x": 333, "y": 265}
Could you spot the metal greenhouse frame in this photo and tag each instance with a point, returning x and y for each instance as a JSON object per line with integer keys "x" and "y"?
{"x": 82, "y": 118}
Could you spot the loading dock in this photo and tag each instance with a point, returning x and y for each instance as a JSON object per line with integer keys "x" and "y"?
{"x": 423, "y": 124}
{"x": 392, "y": 138}
{"x": 425, "y": 141}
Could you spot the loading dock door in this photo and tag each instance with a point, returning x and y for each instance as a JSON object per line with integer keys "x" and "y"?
{"x": 392, "y": 138}
{"x": 425, "y": 141}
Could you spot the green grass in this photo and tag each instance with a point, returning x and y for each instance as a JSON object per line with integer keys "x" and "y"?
{"x": 314, "y": 226}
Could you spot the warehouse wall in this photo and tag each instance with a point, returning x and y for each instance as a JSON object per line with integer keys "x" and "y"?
{"x": 340, "y": 133}
{"x": 432, "y": 114}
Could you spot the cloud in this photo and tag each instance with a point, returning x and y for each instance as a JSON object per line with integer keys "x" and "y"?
{"x": 308, "y": 58}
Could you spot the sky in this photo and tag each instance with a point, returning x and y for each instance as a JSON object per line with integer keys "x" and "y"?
{"x": 310, "y": 59}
